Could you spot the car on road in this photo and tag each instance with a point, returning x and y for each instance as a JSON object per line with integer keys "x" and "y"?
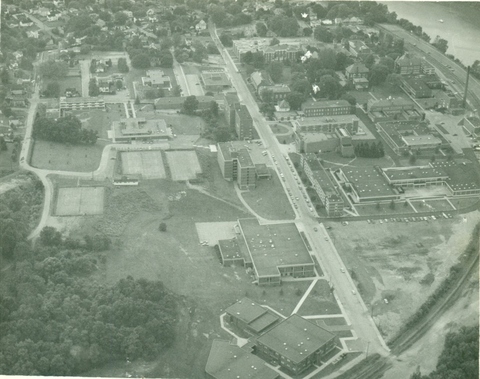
{"x": 326, "y": 239}
{"x": 315, "y": 229}
{"x": 342, "y": 269}
{"x": 354, "y": 292}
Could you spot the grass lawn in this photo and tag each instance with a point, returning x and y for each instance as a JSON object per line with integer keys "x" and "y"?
{"x": 57, "y": 156}
{"x": 269, "y": 200}
{"x": 132, "y": 76}
{"x": 464, "y": 202}
{"x": 320, "y": 301}
{"x": 280, "y": 129}
{"x": 384, "y": 209}
{"x": 7, "y": 166}
{"x": 67, "y": 82}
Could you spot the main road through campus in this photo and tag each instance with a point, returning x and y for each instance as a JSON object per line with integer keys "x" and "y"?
{"x": 325, "y": 251}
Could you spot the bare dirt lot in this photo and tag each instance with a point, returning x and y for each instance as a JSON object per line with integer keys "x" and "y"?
{"x": 402, "y": 263}
{"x": 183, "y": 165}
{"x": 149, "y": 164}
{"x": 79, "y": 201}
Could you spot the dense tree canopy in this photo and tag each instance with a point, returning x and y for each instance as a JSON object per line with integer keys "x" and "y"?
{"x": 53, "y": 69}
{"x": 67, "y": 129}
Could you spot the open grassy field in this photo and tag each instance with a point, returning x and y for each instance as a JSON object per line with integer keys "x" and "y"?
{"x": 183, "y": 165}
{"x": 269, "y": 200}
{"x": 57, "y": 156}
{"x": 79, "y": 201}
{"x": 320, "y": 301}
{"x": 7, "y": 166}
{"x": 67, "y": 82}
{"x": 400, "y": 262}
{"x": 187, "y": 268}
{"x": 383, "y": 209}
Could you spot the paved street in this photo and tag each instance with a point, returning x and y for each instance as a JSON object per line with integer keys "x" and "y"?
{"x": 306, "y": 220}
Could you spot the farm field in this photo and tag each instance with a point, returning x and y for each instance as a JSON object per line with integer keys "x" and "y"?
{"x": 57, "y": 156}
{"x": 400, "y": 262}
{"x": 79, "y": 201}
{"x": 183, "y": 165}
{"x": 148, "y": 164}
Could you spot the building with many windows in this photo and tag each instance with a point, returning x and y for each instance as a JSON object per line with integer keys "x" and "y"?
{"x": 393, "y": 109}
{"x": 244, "y": 123}
{"x": 295, "y": 344}
{"x": 236, "y": 165}
{"x": 416, "y": 87}
{"x": 323, "y": 184}
{"x": 80, "y": 103}
{"x": 327, "y": 108}
{"x": 408, "y": 64}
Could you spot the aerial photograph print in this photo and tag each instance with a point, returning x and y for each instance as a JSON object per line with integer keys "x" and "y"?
{"x": 239, "y": 189}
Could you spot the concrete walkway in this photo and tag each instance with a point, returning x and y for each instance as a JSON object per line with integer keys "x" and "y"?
{"x": 304, "y": 297}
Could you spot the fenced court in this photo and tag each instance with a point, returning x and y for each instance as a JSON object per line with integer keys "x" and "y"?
{"x": 183, "y": 165}
{"x": 149, "y": 164}
{"x": 79, "y": 201}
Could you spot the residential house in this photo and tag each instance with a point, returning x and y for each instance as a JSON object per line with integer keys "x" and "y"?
{"x": 260, "y": 79}
{"x": 201, "y": 25}
{"x": 282, "y": 106}
{"x": 359, "y": 49}
{"x": 157, "y": 79}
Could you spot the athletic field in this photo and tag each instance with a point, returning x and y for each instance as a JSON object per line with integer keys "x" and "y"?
{"x": 149, "y": 164}
{"x": 183, "y": 165}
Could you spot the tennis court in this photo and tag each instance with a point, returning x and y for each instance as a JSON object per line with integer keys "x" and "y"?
{"x": 149, "y": 164}
{"x": 79, "y": 201}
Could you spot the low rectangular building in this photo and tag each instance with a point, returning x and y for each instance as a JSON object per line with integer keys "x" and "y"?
{"x": 416, "y": 87}
{"x": 250, "y": 317}
{"x": 393, "y": 109}
{"x": 215, "y": 81}
{"x": 80, "y": 103}
{"x": 276, "y": 251}
{"x": 366, "y": 184}
{"x": 156, "y": 79}
{"x": 327, "y": 108}
{"x": 140, "y": 129}
{"x": 296, "y": 344}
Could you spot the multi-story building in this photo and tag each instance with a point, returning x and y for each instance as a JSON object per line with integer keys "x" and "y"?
{"x": 408, "y": 64}
{"x": 357, "y": 70}
{"x": 296, "y": 344}
{"x": 231, "y": 103}
{"x": 236, "y": 165}
{"x": 276, "y": 93}
{"x": 282, "y": 52}
{"x": 416, "y": 87}
{"x": 471, "y": 124}
{"x": 80, "y": 103}
{"x": 327, "y": 108}
{"x": 393, "y": 109}
{"x": 322, "y": 183}
{"x": 244, "y": 123}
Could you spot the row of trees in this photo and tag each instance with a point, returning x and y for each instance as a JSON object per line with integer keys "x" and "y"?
{"x": 67, "y": 129}
{"x": 369, "y": 150}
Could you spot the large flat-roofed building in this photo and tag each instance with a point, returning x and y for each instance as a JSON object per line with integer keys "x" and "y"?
{"x": 139, "y": 129}
{"x": 204, "y": 102}
{"x": 327, "y": 124}
{"x": 393, "y": 109}
{"x": 404, "y": 136}
{"x": 276, "y": 251}
{"x": 215, "y": 81}
{"x": 323, "y": 184}
{"x": 236, "y": 165}
{"x": 244, "y": 124}
{"x": 80, "y": 103}
{"x": 250, "y": 317}
{"x": 296, "y": 344}
{"x": 308, "y": 142}
{"x": 366, "y": 184}
{"x": 281, "y": 52}
{"x": 227, "y": 361}
{"x": 416, "y": 87}
{"x": 156, "y": 79}
{"x": 459, "y": 178}
{"x": 327, "y": 108}
{"x": 234, "y": 252}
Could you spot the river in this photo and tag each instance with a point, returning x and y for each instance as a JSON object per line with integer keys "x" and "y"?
{"x": 460, "y": 26}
